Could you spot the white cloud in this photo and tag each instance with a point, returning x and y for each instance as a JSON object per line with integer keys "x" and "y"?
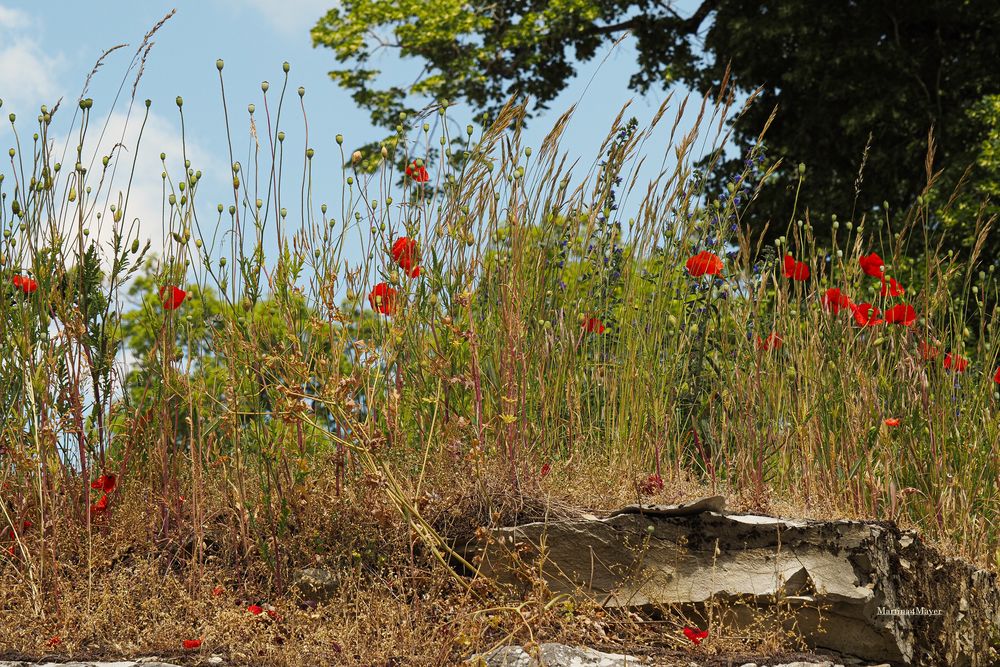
{"x": 13, "y": 18}
{"x": 290, "y": 16}
{"x": 27, "y": 72}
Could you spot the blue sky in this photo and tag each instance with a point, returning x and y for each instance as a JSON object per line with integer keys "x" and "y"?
{"x": 47, "y": 50}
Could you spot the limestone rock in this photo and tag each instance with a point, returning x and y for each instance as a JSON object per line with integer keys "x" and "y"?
{"x": 552, "y": 655}
{"x": 860, "y": 589}
{"x": 316, "y": 584}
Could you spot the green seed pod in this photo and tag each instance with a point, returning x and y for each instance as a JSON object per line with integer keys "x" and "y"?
{"x": 222, "y": 261}
{"x": 264, "y": 85}
{"x": 219, "y": 64}
{"x": 340, "y": 139}
{"x": 236, "y": 184}
{"x": 302, "y": 91}
{"x": 251, "y": 108}
{"x": 284, "y": 212}
{"x": 802, "y": 168}
{"x": 310, "y": 153}
{"x": 281, "y": 136}
{"x": 232, "y": 210}
{"x": 163, "y": 156}
{"x": 180, "y": 101}
{"x": 285, "y": 67}
{"x": 149, "y": 103}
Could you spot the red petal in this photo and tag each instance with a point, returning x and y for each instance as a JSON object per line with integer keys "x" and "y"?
{"x": 192, "y": 643}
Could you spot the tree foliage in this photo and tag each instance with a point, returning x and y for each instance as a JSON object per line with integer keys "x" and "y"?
{"x": 858, "y": 86}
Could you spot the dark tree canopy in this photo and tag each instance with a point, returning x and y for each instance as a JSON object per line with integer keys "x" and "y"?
{"x": 844, "y": 75}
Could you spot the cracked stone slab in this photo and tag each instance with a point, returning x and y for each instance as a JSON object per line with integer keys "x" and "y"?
{"x": 863, "y": 590}
{"x": 552, "y": 655}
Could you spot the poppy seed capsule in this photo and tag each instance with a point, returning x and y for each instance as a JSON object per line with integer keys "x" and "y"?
{"x": 219, "y": 64}
{"x": 285, "y": 67}
{"x": 356, "y": 157}
{"x": 264, "y": 85}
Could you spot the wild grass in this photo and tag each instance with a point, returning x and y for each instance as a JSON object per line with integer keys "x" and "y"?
{"x": 275, "y": 419}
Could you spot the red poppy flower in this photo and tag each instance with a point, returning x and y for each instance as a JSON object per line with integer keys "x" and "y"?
{"x": 25, "y": 283}
{"x": 255, "y": 609}
{"x": 834, "y": 300}
{"x": 772, "y": 342}
{"x": 419, "y": 174}
{"x": 55, "y": 641}
{"x": 273, "y": 614}
{"x": 872, "y": 265}
{"x": 100, "y": 506}
{"x": 996, "y": 376}
{"x": 406, "y": 252}
{"x": 172, "y": 296}
{"x": 892, "y": 288}
{"x": 106, "y": 483}
{"x": 955, "y": 363}
{"x": 217, "y": 591}
{"x": 190, "y": 644}
{"x": 545, "y": 470}
{"x": 795, "y": 270}
{"x": 652, "y": 484}
{"x": 901, "y": 313}
{"x": 695, "y": 635}
{"x": 891, "y": 421}
{"x": 928, "y": 351}
{"x": 866, "y": 315}
{"x": 10, "y": 551}
{"x": 593, "y": 325}
{"x": 383, "y": 299}
{"x": 704, "y": 263}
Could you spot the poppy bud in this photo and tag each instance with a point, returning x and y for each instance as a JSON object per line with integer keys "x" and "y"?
{"x": 301, "y": 91}
{"x": 427, "y": 126}
{"x": 340, "y": 139}
{"x": 222, "y": 261}
{"x": 285, "y": 67}
{"x": 385, "y": 152}
{"x": 281, "y": 136}
{"x": 802, "y": 168}
{"x": 219, "y": 64}
{"x": 180, "y": 101}
{"x": 232, "y": 210}
{"x": 309, "y": 153}
{"x": 264, "y": 85}
{"x": 135, "y": 246}
{"x": 251, "y": 108}
{"x": 356, "y": 157}
{"x": 350, "y": 180}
